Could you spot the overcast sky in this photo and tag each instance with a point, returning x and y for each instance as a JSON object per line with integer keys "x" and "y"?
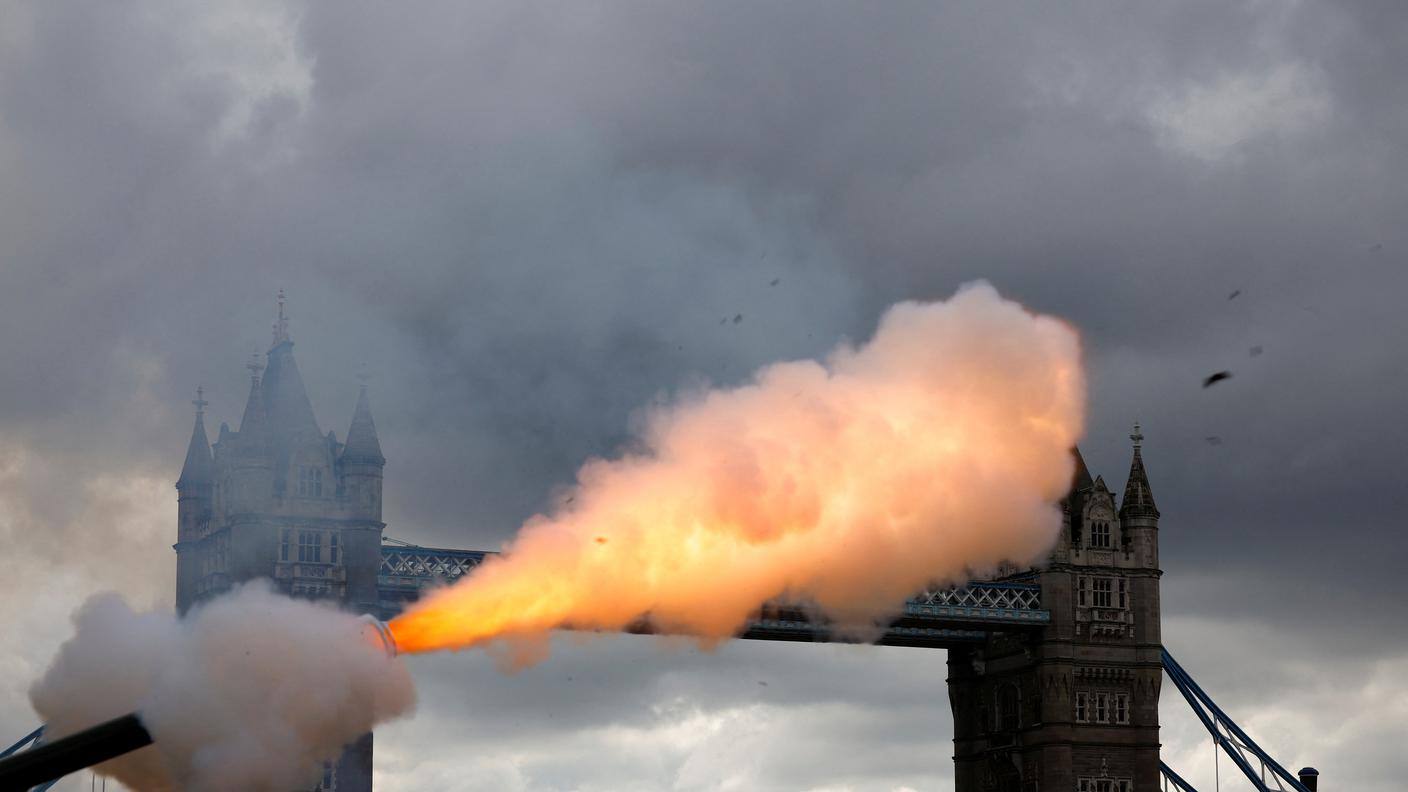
{"x": 525, "y": 220}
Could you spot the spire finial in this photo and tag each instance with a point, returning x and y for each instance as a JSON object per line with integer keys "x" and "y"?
{"x": 363, "y": 377}
{"x": 200, "y": 401}
{"x": 1137, "y": 436}
{"x": 254, "y": 366}
{"x": 281, "y": 325}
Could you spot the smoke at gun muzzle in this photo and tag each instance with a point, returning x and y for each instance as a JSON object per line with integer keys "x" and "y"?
{"x": 119, "y": 736}
{"x": 211, "y": 684}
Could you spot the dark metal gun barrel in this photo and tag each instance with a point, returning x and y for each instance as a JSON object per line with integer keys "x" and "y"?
{"x": 70, "y": 754}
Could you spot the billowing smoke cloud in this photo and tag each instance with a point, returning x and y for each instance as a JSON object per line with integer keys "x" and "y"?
{"x": 251, "y": 692}
{"x": 936, "y": 450}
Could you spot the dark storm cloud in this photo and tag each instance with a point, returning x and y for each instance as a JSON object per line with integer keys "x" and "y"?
{"x": 527, "y": 222}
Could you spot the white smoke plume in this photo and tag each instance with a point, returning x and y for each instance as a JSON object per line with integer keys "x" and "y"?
{"x": 935, "y": 450}
{"x": 251, "y": 692}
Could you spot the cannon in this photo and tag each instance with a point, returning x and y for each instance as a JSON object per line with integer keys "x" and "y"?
{"x": 96, "y": 744}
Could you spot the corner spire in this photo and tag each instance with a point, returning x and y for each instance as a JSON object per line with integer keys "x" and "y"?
{"x": 1082, "y": 479}
{"x": 1138, "y": 495}
{"x": 362, "y": 445}
{"x": 252, "y": 422}
{"x": 199, "y": 469}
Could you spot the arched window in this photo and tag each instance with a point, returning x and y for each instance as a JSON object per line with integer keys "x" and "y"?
{"x": 310, "y": 482}
{"x": 310, "y": 547}
{"x": 1100, "y": 533}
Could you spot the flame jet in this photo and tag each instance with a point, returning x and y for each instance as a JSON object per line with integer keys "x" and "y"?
{"x": 936, "y": 449}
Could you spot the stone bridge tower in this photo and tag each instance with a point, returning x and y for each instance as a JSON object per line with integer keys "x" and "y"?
{"x": 278, "y": 499}
{"x": 1073, "y": 708}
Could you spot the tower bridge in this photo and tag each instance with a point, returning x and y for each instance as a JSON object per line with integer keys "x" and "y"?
{"x": 1054, "y": 673}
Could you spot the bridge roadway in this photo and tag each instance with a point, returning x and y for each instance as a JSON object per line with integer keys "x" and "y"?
{"x": 931, "y": 619}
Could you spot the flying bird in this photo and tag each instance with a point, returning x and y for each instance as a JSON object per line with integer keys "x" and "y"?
{"x": 1213, "y": 440}
{"x": 775, "y": 281}
{"x": 737, "y": 318}
{"x": 1255, "y": 351}
{"x": 1213, "y": 379}
{"x": 1234, "y": 294}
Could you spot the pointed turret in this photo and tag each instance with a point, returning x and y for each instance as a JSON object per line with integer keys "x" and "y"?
{"x": 199, "y": 470}
{"x": 1139, "y": 517}
{"x": 1082, "y": 480}
{"x": 362, "y": 445}
{"x": 361, "y": 462}
{"x": 297, "y": 451}
{"x": 1138, "y": 496}
{"x": 1074, "y": 502}
{"x": 252, "y": 423}
{"x": 285, "y": 399}
{"x": 194, "y": 492}
{"x": 246, "y": 488}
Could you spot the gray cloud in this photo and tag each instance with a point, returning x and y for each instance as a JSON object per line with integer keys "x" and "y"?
{"x": 529, "y": 222}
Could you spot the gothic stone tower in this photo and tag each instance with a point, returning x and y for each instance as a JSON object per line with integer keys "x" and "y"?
{"x": 280, "y": 500}
{"x": 1073, "y": 708}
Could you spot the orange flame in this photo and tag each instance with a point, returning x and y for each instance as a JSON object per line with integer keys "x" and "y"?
{"x": 936, "y": 450}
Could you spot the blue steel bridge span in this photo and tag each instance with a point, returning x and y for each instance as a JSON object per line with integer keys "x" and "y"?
{"x": 936, "y": 619}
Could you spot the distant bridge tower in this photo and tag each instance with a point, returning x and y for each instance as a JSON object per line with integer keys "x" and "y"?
{"x": 1074, "y": 707}
{"x": 280, "y": 500}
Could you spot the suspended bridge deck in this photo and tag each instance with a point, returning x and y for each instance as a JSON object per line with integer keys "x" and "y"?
{"x": 931, "y": 619}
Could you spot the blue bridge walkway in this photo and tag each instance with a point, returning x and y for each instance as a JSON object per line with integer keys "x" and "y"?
{"x": 931, "y": 619}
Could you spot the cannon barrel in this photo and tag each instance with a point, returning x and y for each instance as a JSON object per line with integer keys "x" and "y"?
{"x": 378, "y": 633}
{"x": 52, "y": 761}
